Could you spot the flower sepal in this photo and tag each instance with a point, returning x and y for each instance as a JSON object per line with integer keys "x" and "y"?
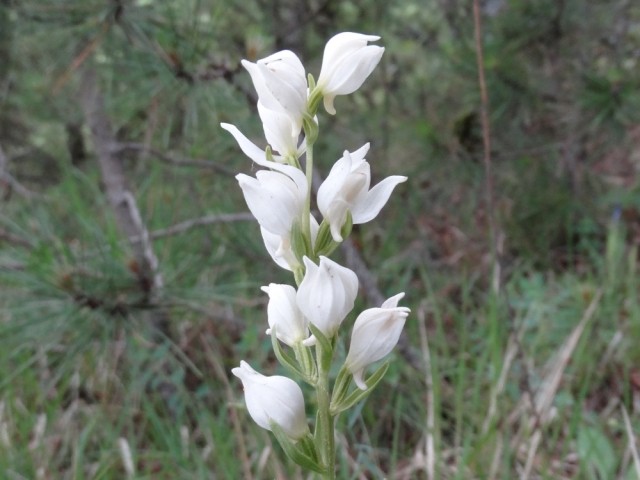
{"x": 303, "y": 452}
{"x": 343, "y": 401}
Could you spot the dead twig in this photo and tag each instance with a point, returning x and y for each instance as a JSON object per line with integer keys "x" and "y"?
{"x": 118, "y": 147}
{"x": 632, "y": 441}
{"x": 198, "y": 222}
{"x": 549, "y": 387}
{"x": 486, "y": 142}
{"x": 430, "y": 451}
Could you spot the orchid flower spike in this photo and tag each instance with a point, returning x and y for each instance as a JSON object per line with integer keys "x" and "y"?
{"x": 346, "y": 189}
{"x": 274, "y": 399}
{"x": 346, "y": 64}
{"x": 375, "y": 333}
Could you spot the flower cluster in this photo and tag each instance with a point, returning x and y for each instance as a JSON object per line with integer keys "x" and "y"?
{"x": 279, "y": 196}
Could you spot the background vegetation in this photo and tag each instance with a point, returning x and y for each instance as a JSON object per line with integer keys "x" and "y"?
{"x": 113, "y": 368}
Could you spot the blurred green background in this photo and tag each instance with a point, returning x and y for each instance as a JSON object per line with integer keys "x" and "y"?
{"x": 110, "y": 370}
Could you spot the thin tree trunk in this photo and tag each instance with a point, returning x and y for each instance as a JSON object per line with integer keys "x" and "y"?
{"x": 122, "y": 201}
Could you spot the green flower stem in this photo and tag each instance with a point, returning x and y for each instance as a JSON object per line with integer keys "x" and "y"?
{"x": 306, "y": 222}
{"x": 325, "y": 436}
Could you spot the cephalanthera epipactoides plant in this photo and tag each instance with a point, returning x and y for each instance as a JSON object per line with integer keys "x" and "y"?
{"x": 304, "y": 323}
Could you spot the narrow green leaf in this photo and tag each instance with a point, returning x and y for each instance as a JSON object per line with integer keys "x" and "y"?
{"x": 298, "y": 452}
{"x": 284, "y": 358}
{"x": 311, "y": 129}
{"x": 323, "y": 341}
{"x": 300, "y": 245}
{"x": 358, "y": 395}
{"x": 340, "y": 388}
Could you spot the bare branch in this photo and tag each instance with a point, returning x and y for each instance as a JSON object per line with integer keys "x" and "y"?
{"x": 122, "y": 201}
{"x": 198, "y": 222}
{"x": 171, "y": 159}
{"x": 13, "y": 267}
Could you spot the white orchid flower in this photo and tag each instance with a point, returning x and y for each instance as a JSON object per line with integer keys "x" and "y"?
{"x": 274, "y": 399}
{"x": 281, "y": 84}
{"x": 346, "y": 64}
{"x": 375, "y": 333}
{"x": 346, "y": 189}
{"x": 275, "y": 197}
{"x": 326, "y": 294}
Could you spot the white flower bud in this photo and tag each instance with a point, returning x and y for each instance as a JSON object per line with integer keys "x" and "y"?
{"x": 346, "y": 64}
{"x": 283, "y": 314}
{"x": 327, "y": 294}
{"x": 281, "y": 84}
{"x": 375, "y": 333}
{"x": 273, "y": 399}
{"x": 346, "y": 188}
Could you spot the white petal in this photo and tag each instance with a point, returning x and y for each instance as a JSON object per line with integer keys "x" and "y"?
{"x": 279, "y": 248}
{"x": 338, "y": 48}
{"x": 367, "y": 210}
{"x": 281, "y": 84}
{"x": 358, "y": 156}
{"x": 346, "y": 64}
{"x": 273, "y": 198}
{"x": 328, "y": 103}
{"x": 354, "y": 70}
{"x": 336, "y": 215}
{"x": 392, "y": 302}
{"x": 287, "y": 66}
{"x": 284, "y": 314}
{"x": 358, "y": 377}
{"x": 277, "y": 130}
{"x": 332, "y": 185}
{"x": 327, "y": 294}
{"x": 249, "y": 148}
